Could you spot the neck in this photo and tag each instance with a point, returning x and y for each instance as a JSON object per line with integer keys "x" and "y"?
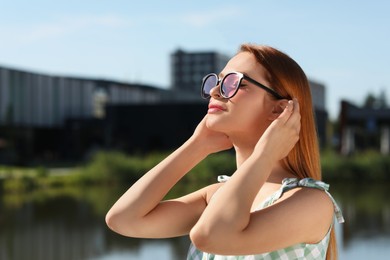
{"x": 244, "y": 151}
{"x": 243, "y": 145}
{"x": 242, "y": 154}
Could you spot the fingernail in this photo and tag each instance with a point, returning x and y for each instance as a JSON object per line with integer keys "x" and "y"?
{"x": 290, "y": 105}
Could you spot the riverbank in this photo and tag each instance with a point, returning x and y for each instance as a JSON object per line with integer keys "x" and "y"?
{"x": 110, "y": 168}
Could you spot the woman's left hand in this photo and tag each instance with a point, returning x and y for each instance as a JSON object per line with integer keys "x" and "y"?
{"x": 282, "y": 134}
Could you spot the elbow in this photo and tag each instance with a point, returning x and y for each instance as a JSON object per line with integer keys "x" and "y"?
{"x": 117, "y": 223}
{"x": 215, "y": 239}
{"x": 126, "y": 224}
{"x": 203, "y": 239}
{"x": 113, "y": 223}
{"x": 199, "y": 239}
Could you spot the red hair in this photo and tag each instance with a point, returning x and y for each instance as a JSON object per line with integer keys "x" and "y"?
{"x": 288, "y": 79}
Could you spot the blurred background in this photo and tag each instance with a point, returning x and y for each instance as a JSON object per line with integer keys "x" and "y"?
{"x": 94, "y": 93}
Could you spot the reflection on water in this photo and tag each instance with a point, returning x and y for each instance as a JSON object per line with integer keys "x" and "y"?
{"x": 366, "y": 209}
{"x": 69, "y": 224}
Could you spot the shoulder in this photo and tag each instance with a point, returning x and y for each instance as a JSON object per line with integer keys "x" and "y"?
{"x": 307, "y": 192}
{"x": 310, "y": 195}
{"x": 315, "y": 209}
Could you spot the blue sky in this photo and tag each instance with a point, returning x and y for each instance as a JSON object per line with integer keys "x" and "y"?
{"x": 342, "y": 44}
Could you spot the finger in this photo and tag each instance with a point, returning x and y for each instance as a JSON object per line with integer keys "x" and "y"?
{"x": 295, "y": 119}
{"x": 285, "y": 115}
{"x": 297, "y": 112}
{"x": 296, "y": 106}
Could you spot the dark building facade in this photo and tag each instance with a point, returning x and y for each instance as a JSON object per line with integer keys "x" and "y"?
{"x": 48, "y": 117}
{"x": 189, "y": 68}
{"x": 142, "y": 128}
{"x": 364, "y": 128}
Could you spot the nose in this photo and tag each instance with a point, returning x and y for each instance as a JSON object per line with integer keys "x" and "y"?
{"x": 215, "y": 91}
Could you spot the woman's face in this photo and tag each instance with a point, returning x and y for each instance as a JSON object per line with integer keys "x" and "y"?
{"x": 248, "y": 112}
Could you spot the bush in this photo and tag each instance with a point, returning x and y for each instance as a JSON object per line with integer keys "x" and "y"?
{"x": 223, "y": 163}
{"x": 118, "y": 168}
{"x": 115, "y": 167}
{"x": 368, "y": 165}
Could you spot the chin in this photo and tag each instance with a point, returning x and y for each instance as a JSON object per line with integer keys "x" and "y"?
{"x": 216, "y": 123}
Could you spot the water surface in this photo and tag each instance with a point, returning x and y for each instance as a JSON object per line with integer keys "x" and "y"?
{"x": 68, "y": 223}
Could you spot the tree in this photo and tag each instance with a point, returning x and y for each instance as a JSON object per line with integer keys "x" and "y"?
{"x": 382, "y": 99}
{"x": 371, "y": 101}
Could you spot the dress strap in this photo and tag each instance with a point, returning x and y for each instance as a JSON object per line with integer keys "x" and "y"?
{"x": 292, "y": 183}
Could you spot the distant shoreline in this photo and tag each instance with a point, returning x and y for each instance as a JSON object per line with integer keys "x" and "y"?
{"x": 108, "y": 168}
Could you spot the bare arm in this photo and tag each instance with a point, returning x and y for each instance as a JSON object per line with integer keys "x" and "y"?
{"x": 140, "y": 212}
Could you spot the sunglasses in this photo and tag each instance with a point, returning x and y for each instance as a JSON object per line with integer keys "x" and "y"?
{"x": 230, "y": 84}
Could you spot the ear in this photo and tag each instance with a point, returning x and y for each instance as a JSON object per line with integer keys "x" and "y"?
{"x": 278, "y": 108}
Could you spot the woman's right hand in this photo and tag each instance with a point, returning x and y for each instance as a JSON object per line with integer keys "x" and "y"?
{"x": 283, "y": 133}
{"x": 210, "y": 140}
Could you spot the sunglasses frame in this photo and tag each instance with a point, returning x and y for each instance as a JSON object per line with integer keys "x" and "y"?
{"x": 241, "y": 76}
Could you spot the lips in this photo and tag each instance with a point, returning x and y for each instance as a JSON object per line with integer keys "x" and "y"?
{"x": 214, "y": 108}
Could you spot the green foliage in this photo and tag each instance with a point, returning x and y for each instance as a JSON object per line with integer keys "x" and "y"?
{"x": 216, "y": 164}
{"x": 42, "y": 172}
{"x": 369, "y": 165}
{"x": 115, "y": 168}
{"x": 205, "y": 173}
{"x": 376, "y": 101}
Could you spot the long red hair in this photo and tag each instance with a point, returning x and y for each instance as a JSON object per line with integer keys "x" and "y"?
{"x": 288, "y": 79}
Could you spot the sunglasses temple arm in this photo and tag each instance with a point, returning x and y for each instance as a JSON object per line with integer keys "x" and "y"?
{"x": 269, "y": 90}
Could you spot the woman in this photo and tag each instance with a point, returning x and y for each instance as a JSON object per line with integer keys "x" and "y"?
{"x": 252, "y": 215}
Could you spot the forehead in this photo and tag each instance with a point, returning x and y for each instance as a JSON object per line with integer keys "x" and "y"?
{"x": 246, "y": 63}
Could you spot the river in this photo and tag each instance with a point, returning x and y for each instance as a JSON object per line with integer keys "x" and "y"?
{"x": 68, "y": 223}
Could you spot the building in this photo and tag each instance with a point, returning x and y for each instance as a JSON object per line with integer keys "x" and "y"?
{"x": 364, "y": 128}
{"x": 49, "y": 117}
{"x": 318, "y": 94}
{"x": 189, "y": 68}
{"x": 38, "y": 100}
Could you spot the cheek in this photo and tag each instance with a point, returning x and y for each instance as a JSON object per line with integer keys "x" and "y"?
{"x": 250, "y": 117}
{"x": 250, "y": 106}
{"x": 254, "y": 119}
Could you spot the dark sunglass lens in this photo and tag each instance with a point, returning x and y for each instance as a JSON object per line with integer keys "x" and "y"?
{"x": 208, "y": 83}
{"x": 229, "y": 85}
